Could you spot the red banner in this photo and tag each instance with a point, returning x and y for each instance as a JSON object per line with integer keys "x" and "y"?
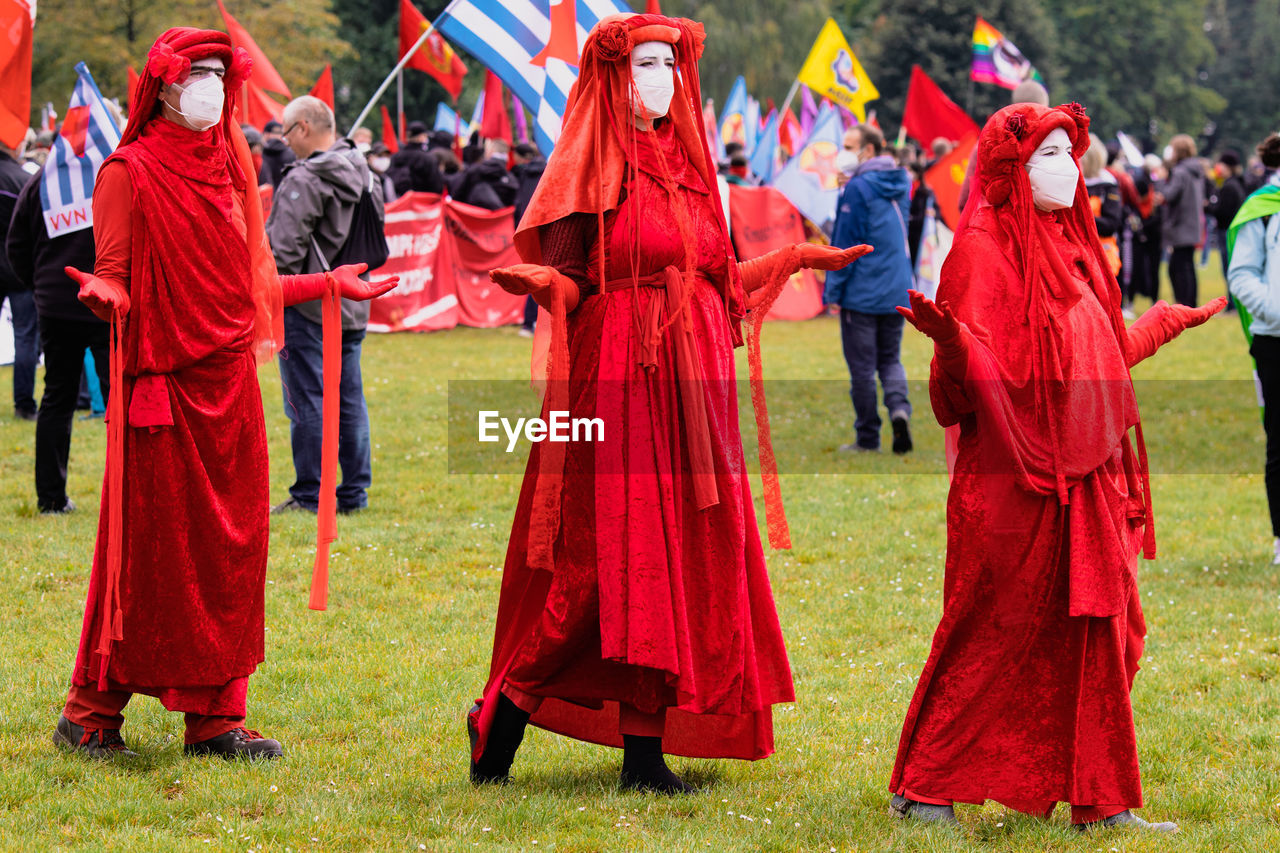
{"x": 443, "y": 251}
{"x": 946, "y": 177}
{"x": 763, "y": 220}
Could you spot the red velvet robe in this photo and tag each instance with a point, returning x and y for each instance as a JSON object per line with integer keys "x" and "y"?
{"x": 653, "y": 601}
{"x": 195, "y": 457}
{"x": 1025, "y": 695}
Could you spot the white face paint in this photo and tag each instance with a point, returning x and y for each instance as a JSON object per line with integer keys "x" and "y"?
{"x": 1053, "y": 172}
{"x": 201, "y": 95}
{"x": 653, "y": 68}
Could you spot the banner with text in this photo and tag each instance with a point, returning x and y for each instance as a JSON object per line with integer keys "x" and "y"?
{"x": 763, "y": 220}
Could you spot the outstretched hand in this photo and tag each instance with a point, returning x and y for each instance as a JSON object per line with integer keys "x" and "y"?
{"x": 814, "y": 256}
{"x": 523, "y": 278}
{"x": 351, "y": 286}
{"x": 1188, "y": 316}
{"x": 99, "y": 296}
{"x": 936, "y": 321}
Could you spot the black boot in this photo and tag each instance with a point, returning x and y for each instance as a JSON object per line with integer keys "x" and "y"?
{"x": 494, "y": 766}
{"x": 644, "y": 769}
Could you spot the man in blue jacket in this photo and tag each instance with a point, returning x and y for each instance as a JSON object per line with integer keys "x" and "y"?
{"x": 874, "y": 208}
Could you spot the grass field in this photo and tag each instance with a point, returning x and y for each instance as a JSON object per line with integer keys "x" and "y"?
{"x": 368, "y": 696}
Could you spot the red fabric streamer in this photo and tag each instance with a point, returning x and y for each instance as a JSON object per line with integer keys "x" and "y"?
{"x": 326, "y": 514}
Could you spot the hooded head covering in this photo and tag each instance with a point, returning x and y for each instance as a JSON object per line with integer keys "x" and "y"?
{"x": 168, "y": 62}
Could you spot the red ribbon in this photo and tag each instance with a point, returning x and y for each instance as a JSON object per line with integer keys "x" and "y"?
{"x": 326, "y": 514}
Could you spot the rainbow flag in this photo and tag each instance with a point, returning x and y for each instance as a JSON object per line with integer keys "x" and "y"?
{"x": 997, "y": 60}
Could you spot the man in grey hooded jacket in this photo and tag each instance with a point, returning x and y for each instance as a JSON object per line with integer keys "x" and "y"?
{"x": 310, "y": 221}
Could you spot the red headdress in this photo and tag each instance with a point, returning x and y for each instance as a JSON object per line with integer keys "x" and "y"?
{"x": 169, "y": 61}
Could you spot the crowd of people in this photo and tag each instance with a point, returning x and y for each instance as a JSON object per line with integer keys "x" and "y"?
{"x": 216, "y": 247}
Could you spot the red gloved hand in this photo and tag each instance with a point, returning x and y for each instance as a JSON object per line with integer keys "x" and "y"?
{"x": 1187, "y": 316}
{"x": 101, "y": 297}
{"x": 1163, "y": 322}
{"x": 817, "y": 257}
{"x": 351, "y": 286}
{"x": 936, "y": 321}
{"x": 537, "y": 281}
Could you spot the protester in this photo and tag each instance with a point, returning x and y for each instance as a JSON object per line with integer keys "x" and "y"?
{"x": 183, "y": 271}
{"x": 1148, "y": 246}
{"x": 739, "y": 171}
{"x": 275, "y": 154}
{"x": 1130, "y": 224}
{"x": 362, "y": 139}
{"x": 1104, "y": 200}
{"x": 1025, "y": 696}
{"x": 379, "y": 159}
{"x": 1182, "y": 197}
{"x": 922, "y": 207}
{"x": 1253, "y": 279}
{"x": 1225, "y": 202}
{"x": 22, "y": 305}
{"x": 527, "y": 171}
{"x": 1026, "y": 92}
{"x": 1268, "y": 154}
{"x": 309, "y": 225}
{"x": 67, "y": 328}
{"x": 940, "y": 147}
{"x": 487, "y": 183}
{"x": 873, "y": 210}
{"x": 253, "y": 139}
{"x": 635, "y": 608}
{"x": 413, "y": 167}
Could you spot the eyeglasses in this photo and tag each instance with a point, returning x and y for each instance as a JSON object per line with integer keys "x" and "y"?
{"x": 288, "y": 130}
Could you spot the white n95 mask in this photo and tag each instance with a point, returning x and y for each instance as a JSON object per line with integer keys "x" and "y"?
{"x": 1053, "y": 172}
{"x": 656, "y": 83}
{"x": 200, "y": 103}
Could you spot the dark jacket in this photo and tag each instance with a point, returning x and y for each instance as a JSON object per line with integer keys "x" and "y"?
{"x": 1184, "y": 204}
{"x": 1226, "y": 200}
{"x": 276, "y": 157}
{"x": 38, "y": 260}
{"x": 12, "y": 178}
{"x": 414, "y": 169}
{"x": 317, "y": 197}
{"x": 527, "y": 176}
{"x": 488, "y": 184}
{"x": 1110, "y": 215}
{"x": 873, "y": 209}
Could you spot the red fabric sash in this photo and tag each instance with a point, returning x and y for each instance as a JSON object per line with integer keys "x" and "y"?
{"x": 331, "y": 372}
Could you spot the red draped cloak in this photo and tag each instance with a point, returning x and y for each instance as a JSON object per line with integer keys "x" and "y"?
{"x": 195, "y": 497}
{"x": 1024, "y": 698}
{"x": 653, "y": 599}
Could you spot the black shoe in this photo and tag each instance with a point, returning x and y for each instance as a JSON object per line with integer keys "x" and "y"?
{"x": 94, "y": 743}
{"x": 901, "y": 433}
{"x": 645, "y": 769}
{"x": 291, "y": 505}
{"x": 505, "y": 735}
{"x": 62, "y": 510}
{"x": 902, "y": 808}
{"x": 25, "y": 414}
{"x": 1127, "y": 818}
{"x": 350, "y": 510}
{"x": 237, "y": 743}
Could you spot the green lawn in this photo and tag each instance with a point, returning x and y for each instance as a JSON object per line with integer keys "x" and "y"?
{"x": 368, "y": 697}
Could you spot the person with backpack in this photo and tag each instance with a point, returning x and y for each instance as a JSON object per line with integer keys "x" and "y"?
{"x": 328, "y": 211}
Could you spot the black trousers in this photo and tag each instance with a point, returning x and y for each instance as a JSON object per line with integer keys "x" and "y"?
{"x": 64, "y": 344}
{"x": 1182, "y": 274}
{"x": 1266, "y": 353}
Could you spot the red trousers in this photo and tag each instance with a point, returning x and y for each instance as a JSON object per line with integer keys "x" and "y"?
{"x": 209, "y": 712}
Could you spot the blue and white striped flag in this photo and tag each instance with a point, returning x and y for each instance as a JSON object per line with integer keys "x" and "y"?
{"x": 88, "y": 135}
{"x": 505, "y": 35}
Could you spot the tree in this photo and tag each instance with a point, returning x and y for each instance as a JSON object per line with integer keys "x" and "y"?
{"x": 298, "y": 37}
{"x": 1246, "y": 35}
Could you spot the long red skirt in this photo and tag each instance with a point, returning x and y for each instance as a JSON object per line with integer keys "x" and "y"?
{"x": 653, "y": 602}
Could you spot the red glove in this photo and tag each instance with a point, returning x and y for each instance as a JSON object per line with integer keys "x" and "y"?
{"x": 304, "y": 288}
{"x": 102, "y": 297}
{"x": 813, "y": 256}
{"x": 539, "y": 282}
{"x": 1162, "y": 323}
{"x": 936, "y": 321}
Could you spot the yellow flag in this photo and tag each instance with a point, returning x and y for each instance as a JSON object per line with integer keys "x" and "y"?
{"x": 834, "y": 72}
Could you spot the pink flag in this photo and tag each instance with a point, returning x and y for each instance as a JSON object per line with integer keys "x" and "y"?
{"x": 808, "y": 110}
{"x": 522, "y": 124}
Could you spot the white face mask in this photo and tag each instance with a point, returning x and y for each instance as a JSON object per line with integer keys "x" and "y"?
{"x": 380, "y": 164}
{"x": 655, "y": 80}
{"x": 200, "y": 103}
{"x": 1053, "y": 173}
{"x": 847, "y": 161}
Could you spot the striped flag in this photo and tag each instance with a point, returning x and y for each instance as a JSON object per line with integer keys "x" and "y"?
{"x": 89, "y": 134}
{"x": 507, "y": 35}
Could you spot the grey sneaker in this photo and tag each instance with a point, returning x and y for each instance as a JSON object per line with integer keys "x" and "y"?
{"x": 93, "y": 743}
{"x": 1128, "y": 819}
{"x": 902, "y": 808}
{"x": 291, "y": 505}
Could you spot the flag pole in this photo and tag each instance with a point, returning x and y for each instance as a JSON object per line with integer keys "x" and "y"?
{"x": 400, "y": 106}
{"x": 404, "y": 60}
{"x": 786, "y": 105}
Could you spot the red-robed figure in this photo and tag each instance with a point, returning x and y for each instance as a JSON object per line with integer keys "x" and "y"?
{"x": 184, "y": 273}
{"x": 1025, "y": 695}
{"x": 635, "y": 608}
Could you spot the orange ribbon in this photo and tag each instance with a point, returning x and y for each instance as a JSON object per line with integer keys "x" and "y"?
{"x": 331, "y": 371}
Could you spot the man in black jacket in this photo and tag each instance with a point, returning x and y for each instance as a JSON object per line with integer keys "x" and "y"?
{"x": 26, "y": 344}
{"x": 413, "y": 167}
{"x": 487, "y": 183}
{"x": 67, "y": 328}
{"x": 276, "y": 154}
{"x": 1227, "y": 199}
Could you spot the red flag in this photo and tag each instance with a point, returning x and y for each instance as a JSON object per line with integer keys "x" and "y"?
{"x": 494, "y": 122}
{"x": 790, "y": 135}
{"x": 563, "y": 41}
{"x": 15, "y": 71}
{"x": 323, "y": 89}
{"x": 133, "y": 87}
{"x": 652, "y": 7}
{"x": 264, "y": 73}
{"x": 258, "y": 107}
{"x": 946, "y": 176}
{"x": 930, "y": 113}
{"x": 389, "y": 132}
{"x": 75, "y": 128}
{"x": 435, "y": 57}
